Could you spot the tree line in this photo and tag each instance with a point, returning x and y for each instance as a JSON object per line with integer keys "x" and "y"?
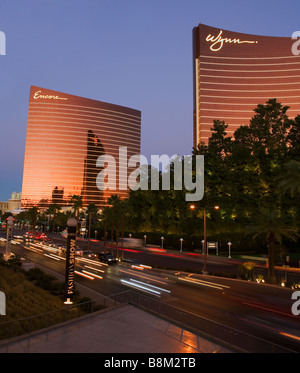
{"x": 253, "y": 176}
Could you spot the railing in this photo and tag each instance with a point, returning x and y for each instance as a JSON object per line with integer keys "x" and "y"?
{"x": 229, "y": 337}
{"x": 213, "y": 331}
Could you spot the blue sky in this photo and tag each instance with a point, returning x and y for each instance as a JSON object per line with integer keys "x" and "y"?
{"x": 134, "y": 53}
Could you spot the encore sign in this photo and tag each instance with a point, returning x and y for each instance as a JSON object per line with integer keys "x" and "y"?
{"x": 218, "y": 41}
{"x": 38, "y": 95}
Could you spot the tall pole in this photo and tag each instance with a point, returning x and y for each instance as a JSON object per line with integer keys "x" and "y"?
{"x": 89, "y": 237}
{"x": 122, "y": 244}
{"x": 204, "y": 271}
{"x": 70, "y": 260}
{"x": 105, "y": 228}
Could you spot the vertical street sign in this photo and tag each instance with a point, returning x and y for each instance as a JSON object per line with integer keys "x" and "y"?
{"x": 70, "y": 260}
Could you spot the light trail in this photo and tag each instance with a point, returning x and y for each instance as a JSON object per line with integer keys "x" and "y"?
{"x": 148, "y": 290}
{"x": 59, "y": 257}
{"x": 84, "y": 275}
{"x": 290, "y": 336}
{"x": 90, "y": 261}
{"x": 52, "y": 257}
{"x": 152, "y": 286}
{"x": 269, "y": 309}
{"x": 199, "y": 282}
{"x": 92, "y": 274}
{"x": 143, "y": 276}
{"x": 95, "y": 269}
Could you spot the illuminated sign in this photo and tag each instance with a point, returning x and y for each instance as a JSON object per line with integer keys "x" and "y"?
{"x": 70, "y": 262}
{"x": 38, "y": 95}
{"x": 218, "y": 41}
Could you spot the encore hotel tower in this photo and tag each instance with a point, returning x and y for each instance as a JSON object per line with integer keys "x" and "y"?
{"x": 234, "y": 72}
{"x": 65, "y": 136}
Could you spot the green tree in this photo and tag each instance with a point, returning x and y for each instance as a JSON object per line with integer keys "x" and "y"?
{"x": 273, "y": 227}
{"x": 32, "y": 215}
{"x": 289, "y": 181}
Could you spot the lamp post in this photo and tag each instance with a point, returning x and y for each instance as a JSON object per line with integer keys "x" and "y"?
{"x": 162, "y": 242}
{"x": 192, "y": 207}
{"x": 181, "y": 240}
{"x": 145, "y": 238}
{"x": 70, "y": 260}
{"x": 229, "y": 246}
{"x": 202, "y": 246}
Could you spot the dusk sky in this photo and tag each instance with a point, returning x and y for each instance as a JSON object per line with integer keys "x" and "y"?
{"x": 134, "y": 53}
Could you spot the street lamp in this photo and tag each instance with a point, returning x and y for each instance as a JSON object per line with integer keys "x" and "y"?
{"x": 192, "y": 207}
{"x": 145, "y": 238}
{"x": 181, "y": 240}
{"x": 162, "y": 242}
{"x": 229, "y": 246}
{"x": 202, "y": 246}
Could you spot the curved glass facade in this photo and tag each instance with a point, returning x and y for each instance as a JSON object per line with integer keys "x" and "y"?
{"x": 234, "y": 72}
{"x": 65, "y": 136}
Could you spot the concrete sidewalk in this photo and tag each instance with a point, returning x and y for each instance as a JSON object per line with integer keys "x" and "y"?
{"x": 125, "y": 329}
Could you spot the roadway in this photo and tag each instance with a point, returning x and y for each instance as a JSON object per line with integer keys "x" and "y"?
{"x": 259, "y": 309}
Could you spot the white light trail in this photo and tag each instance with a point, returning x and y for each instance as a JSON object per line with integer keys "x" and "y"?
{"x": 152, "y": 286}
{"x": 149, "y": 290}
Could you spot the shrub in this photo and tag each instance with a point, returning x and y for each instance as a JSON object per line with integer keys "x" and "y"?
{"x": 246, "y": 271}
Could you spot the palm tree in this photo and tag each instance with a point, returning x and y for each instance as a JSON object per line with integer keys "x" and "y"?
{"x": 289, "y": 182}
{"x": 273, "y": 228}
{"x": 52, "y": 210}
{"x": 112, "y": 214}
{"x": 77, "y": 204}
{"x": 91, "y": 212}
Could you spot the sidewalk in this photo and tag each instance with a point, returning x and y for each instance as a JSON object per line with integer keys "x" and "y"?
{"x": 125, "y": 329}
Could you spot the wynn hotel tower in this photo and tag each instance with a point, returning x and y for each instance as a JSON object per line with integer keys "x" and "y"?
{"x": 234, "y": 72}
